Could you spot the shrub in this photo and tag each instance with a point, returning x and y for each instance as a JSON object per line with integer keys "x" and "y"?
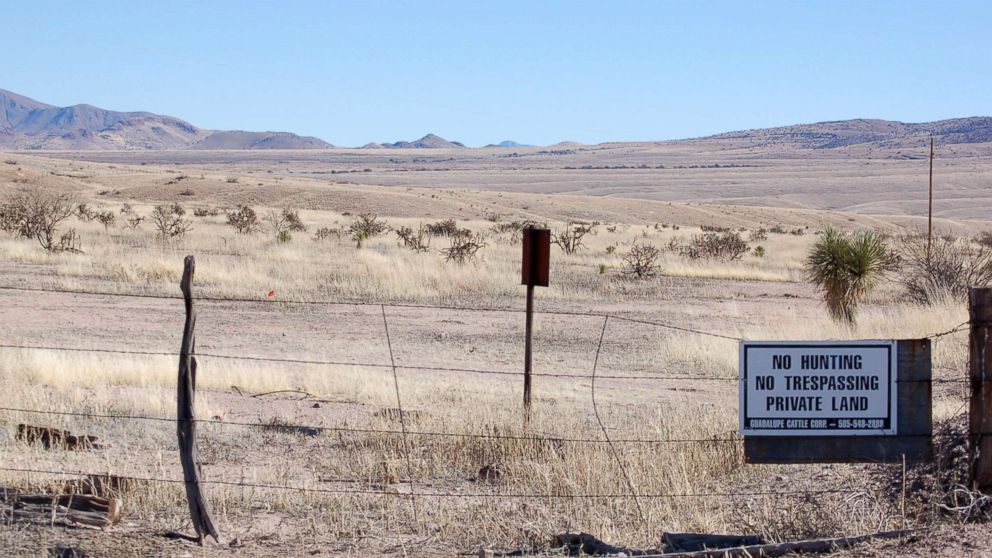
{"x": 366, "y": 226}
{"x": 640, "y": 261}
{"x": 106, "y": 218}
{"x": 326, "y": 233}
{"x": 463, "y": 248}
{"x": 448, "y": 228}
{"x": 84, "y": 213}
{"x": 131, "y": 217}
{"x": 714, "y": 228}
{"x": 759, "y": 251}
{"x": 570, "y": 238}
{"x": 243, "y": 219}
{"x": 984, "y": 238}
{"x": 283, "y": 223}
{"x": 946, "y": 272}
{"x": 726, "y": 246}
{"x": 39, "y": 215}
{"x": 759, "y": 235}
{"x": 418, "y": 241}
{"x": 170, "y": 221}
{"x": 610, "y": 249}
{"x": 847, "y": 268}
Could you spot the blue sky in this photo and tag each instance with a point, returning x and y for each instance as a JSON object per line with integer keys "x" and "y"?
{"x": 535, "y": 72}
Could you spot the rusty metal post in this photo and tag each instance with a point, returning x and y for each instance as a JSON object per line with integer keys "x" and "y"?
{"x": 534, "y": 271}
{"x": 980, "y": 370}
{"x": 528, "y": 336}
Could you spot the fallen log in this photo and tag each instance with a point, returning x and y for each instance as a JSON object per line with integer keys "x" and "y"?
{"x": 687, "y": 542}
{"x": 780, "y": 549}
{"x": 83, "y": 509}
{"x": 54, "y": 438}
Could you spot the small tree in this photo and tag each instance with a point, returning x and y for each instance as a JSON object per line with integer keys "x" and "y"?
{"x": 463, "y": 248}
{"x": 106, "y": 218}
{"x": 243, "y": 219}
{"x": 640, "y": 262}
{"x": 170, "y": 221}
{"x": 569, "y": 239}
{"x": 131, "y": 217}
{"x": 284, "y": 223}
{"x": 846, "y": 268}
{"x": 946, "y": 271}
{"x": 366, "y": 226}
{"x": 418, "y": 241}
{"x": 39, "y": 215}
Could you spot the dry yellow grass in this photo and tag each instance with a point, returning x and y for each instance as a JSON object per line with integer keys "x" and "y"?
{"x": 754, "y": 298}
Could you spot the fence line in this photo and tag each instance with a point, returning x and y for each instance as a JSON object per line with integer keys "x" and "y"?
{"x": 515, "y": 495}
{"x": 367, "y": 364}
{"x": 434, "y": 434}
{"x": 373, "y": 304}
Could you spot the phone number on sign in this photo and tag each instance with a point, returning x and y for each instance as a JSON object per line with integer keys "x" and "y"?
{"x": 860, "y": 423}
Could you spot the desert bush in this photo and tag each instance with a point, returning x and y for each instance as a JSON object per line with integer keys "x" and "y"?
{"x": 759, "y": 251}
{"x": 367, "y": 226}
{"x": 284, "y": 223}
{"x": 569, "y": 239}
{"x": 714, "y": 228}
{"x": 759, "y": 235}
{"x": 640, "y": 262}
{"x": 728, "y": 246}
{"x": 39, "y": 215}
{"x": 611, "y": 249}
{"x": 206, "y": 212}
{"x": 447, "y": 228}
{"x": 232, "y": 180}
{"x": 418, "y": 241}
{"x": 244, "y": 220}
{"x": 777, "y": 229}
{"x": 463, "y": 248}
{"x": 106, "y": 218}
{"x": 846, "y": 268}
{"x": 946, "y": 272}
{"x": 984, "y": 238}
{"x": 326, "y": 233}
{"x": 507, "y": 227}
{"x": 170, "y": 221}
{"x": 131, "y": 217}
{"x": 84, "y": 213}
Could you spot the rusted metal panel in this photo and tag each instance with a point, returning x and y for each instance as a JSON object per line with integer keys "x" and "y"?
{"x": 535, "y": 268}
{"x": 915, "y": 424}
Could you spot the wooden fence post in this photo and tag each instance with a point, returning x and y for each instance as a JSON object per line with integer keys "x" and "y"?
{"x": 980, "y": 369}
{"x": 534, "y": 271}
{"x": 186, "y": 425}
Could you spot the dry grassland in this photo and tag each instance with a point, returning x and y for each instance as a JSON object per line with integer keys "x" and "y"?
{"x": 368, "y": 493}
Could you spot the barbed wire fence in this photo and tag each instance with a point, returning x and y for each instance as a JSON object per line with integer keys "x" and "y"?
{"x": 406, "y": 433}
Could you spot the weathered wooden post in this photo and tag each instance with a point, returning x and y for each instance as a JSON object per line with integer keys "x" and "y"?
{"x": 534, "y": 271}
{"x": 980, "y": 369}
{"x": 186, "y": 428}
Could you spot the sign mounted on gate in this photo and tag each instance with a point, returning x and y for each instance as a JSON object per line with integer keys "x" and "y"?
{"x": 818, "y": 388}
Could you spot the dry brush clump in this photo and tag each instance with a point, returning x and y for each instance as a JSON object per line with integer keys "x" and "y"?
{"x": 170, "y": 221}
{"x": 641, "y": 261}
{"x": 463, "y": 247}
{"x": 284, "y": 223}
{"x": 569, "y": 239}
{"x": 417, "y": 240}
{"x": 945, "y": 271}
{"x": 725, "y": 245}
{"x": 39, "y": 215}
{"x": 244, "y": 220}
{"x": 365, "y": 227}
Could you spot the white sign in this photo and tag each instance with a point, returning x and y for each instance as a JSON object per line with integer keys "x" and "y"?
{"x": 819, "y": 388}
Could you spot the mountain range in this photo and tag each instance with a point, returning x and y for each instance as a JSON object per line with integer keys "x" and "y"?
{"x": 29, "y": 124}
{"x": 26, "y": 124}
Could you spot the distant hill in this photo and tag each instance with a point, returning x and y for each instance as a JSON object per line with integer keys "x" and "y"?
{"x": 29, "y": 124}
{"x": 430, "y": 141}
{"x": 508, "y": 143}
{"x": 880, "y": 133}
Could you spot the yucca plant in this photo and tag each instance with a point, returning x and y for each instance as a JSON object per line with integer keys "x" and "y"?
{"x": 847, "y": 267}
